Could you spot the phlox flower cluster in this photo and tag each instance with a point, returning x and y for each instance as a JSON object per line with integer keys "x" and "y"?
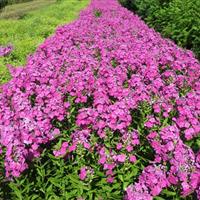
{"x": 5, "y": 50}
{"x": 152, "y": 180}
{"x": 98, "y": 70}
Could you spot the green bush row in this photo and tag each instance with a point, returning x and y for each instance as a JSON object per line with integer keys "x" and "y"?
{"x": 175, "y": 19}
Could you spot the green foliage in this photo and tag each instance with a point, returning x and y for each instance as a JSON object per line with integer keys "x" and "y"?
{"x": 50, "y": 177}
{"x": 3, "y": 3}
{"x": 175, "y": 19}
{"x": 98, "y": 13}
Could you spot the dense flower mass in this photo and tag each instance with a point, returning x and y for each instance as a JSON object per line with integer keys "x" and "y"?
{"x": 152, "y": 180}
{"x": 95, "y": 74}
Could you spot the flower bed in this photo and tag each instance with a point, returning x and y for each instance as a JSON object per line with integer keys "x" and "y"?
{"x": 108, "y": 86}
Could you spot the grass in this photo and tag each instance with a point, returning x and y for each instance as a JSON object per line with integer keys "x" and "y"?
{"x": 17, "y": 11}
{"x": 26, "y": 32}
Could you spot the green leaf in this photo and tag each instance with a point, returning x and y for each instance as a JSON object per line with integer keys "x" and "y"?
{"x": 168, "y": 193}
{"x": 121, "y": 177}
{"x": 55, "y": 182}
{"x": 158, "y": 198}
{"x": 125, "y": 185}
{"x": 35, "y": 196}
{"x": 16, "y": 191}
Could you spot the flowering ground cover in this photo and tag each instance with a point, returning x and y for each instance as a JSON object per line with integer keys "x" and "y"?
{"x": 107, "y": 109}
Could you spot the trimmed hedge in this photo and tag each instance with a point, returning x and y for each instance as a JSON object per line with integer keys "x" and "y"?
{"x": 176, "y": 19}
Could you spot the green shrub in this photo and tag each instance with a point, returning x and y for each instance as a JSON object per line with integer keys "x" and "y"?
{"x": 181, "y": 22}
{"x": 3, "y": 3}
{"x": 176, "y": 19}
